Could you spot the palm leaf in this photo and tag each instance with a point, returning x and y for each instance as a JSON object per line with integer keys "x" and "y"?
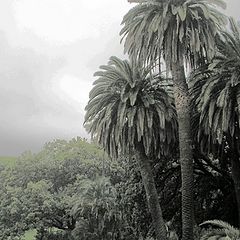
{"x": 121, "y": 111}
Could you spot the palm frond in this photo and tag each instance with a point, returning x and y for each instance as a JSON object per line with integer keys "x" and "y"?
{"x": 222, "y": 230}
{"x": 127, "y": 106}
{"x": 215, "y": 89}
{"x": 174, "y": 30}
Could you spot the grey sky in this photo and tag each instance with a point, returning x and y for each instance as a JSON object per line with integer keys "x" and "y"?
{"x": 49, "y": 52}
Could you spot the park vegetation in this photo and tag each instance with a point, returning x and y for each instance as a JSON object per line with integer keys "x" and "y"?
{"x": 163, "y": 161}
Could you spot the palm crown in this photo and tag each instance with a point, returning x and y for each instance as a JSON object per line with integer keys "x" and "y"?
{"x": 126, "y": 108}
{"x": 172, "y": 29}
{"x": 217, "y": 90}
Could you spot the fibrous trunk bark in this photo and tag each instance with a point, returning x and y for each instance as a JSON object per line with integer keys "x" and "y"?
{"x": 235, "y": 164}
{"x": 152, "y": 196}
{"x": 182, "y": 103}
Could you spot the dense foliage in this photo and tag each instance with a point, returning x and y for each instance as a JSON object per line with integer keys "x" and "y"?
{"x": 57, "y": 188}
{"x": 71, "y": 189}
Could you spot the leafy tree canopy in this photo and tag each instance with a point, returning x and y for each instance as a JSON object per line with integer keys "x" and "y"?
{"x": 53, "y": 188}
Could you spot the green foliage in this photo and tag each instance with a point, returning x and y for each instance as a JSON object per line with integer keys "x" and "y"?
{"x": 45, "y": 190}
{"x": 29, "y": 235}
{"x": 7, "y": 161}
{"x": 132, "y": 197}
{"x": 97, "y": 210}
{"x": 215, "y": 100}
{"x": 216, "y": 94}
{"x": 128, "y": 107}
{"x": 172, "y": 29}
{"x": 221, "y": 230}
{"x": 86, "y": 187}
{"x": 214, "y": 194}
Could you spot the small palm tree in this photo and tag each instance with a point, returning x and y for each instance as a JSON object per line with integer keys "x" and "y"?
{"x": 97, "y": 209}
{"x": 221, "y": 230}
{"x": 129, "y": 113}
{"x": 183, "y": 33}
{"x": 216, "y": 94}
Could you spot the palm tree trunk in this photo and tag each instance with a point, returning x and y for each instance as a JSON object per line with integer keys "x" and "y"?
{"x": 152, "y": 196}
{"x": 235, "y": 165}
{"x": 182, "y": 104}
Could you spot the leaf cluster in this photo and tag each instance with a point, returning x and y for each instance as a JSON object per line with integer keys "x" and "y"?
{"x": 127, "y": 107}
{"x": 215, "y": 91}
{"x": 175, "y": 30}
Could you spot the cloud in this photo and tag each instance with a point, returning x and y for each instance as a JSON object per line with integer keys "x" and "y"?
{"x": 45, "y": 87}
{"x": 66, "y": 21}
{"x": 26, "y": 102}
{"x": 233, "y": 8}
{"x": 49, "y": 52}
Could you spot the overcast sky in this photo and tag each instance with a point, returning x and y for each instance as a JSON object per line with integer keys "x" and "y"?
{"x": 49, "y": 50}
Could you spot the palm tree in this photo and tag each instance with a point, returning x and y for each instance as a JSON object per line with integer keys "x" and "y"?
{"x": 216, "y": 94}
{"x": 182, "y": 32}
{"x": 129, "y": 113}
{"x": 97, "y": 209}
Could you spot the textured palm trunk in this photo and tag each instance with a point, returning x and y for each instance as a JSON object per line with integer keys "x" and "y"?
{"x": 235, "y": 164}
{"x": 182, "y": 104}
{"x": 152, "y": 196}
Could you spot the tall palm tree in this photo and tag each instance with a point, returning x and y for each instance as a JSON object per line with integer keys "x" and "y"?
{"x": 216, "y": 94}
{"x": 129, "y": 113}
{"x": 182, "y": 32}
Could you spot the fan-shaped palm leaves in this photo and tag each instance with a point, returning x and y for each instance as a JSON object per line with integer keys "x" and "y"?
{"x": 221, "y": 230}
{"x": 216, "y": 93}
{"x": 129, "y": 113}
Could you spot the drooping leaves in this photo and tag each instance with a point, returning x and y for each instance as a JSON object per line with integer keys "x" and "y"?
{"x": 127, "y": 106}
{"x": 174, "y": 30}
{"x": 215, "y": 91}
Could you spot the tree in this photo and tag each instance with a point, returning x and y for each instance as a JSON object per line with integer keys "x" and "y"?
{"x": 129, "y": 113}
{"x": 183, "y": 33}
{"x": 216, "y": 94}
{"x": 42, "y": 191}
{"x": 97, "y": 210}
